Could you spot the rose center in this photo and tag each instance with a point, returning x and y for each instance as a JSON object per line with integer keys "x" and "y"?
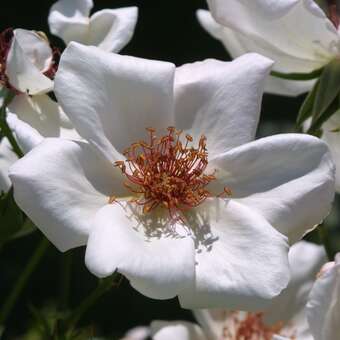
{"x": 250, "y": 326}
{"x": 168, "y": 172}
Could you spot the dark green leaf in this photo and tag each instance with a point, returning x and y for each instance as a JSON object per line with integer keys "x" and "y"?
{"x": 317, "y": 123}
{"x": 42, "y": 322}
{"x": 3, "y": 92}
{"x": 306, "y": 109}
{"x": 327, "y": 92}
{"x": 27, "y": 228}
{"x": 11, "y": 217}
{"x": 298, "y": 76}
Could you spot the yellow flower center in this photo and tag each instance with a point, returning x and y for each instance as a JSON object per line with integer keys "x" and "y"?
{"x": 166, "y": 172}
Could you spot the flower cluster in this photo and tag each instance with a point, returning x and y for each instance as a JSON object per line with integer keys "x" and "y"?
{"x": 155, "y": 169}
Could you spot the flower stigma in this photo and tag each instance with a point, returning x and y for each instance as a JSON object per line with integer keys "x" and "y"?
{"x": 166, "y": 172}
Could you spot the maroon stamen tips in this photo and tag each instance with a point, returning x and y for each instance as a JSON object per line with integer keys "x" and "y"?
{"x": 53, "y": 68}
{"x": 334, "y": 16}
{"x": 6, "y": 38}
{"x": 250, "y": 327}
{"x": 333, "y": 13}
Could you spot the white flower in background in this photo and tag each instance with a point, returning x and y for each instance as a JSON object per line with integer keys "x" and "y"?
{"x": 26, "y": 62}
{"x": 27, "y": 67}
{"x": 206, "y": 217}
{"x": 285, "y": 318}
{"x": 323, "y": 308}
{"x": 108, "y": 29}
{"x": 296, "y": 34}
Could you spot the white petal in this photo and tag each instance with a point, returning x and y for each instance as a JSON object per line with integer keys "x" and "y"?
{"x": 120, "y": 96}
{"x": 179, "y": 330}
{"x": 74, "y": 8}
{"x": 43, "y": 115}
{"x": 287, "y": 87}
{"x": 137, "y": 333}
{"x": 69, "y": 20}
{"x": 243, "y": 262}
{"x": 212, "y": 321}
{"x": 60, "y": 185}
{"x": 288, "y": 179}
{"x": 270, "y": 8}
{"x": 301, "y": 30}
{"x": 26, "y": 136}
{"x": 323, "y": 308}
{"x": 159, "y": 266}
{"x": 221, "y": 100}
{"x": 238, "y": 43}
{"x": 332, "y": 137}
{"x": 7, "y": 158}
{"x": 305, "y": 260}
{"x": 23, "y": 64}
{"x": 111, "y": 30}
{"x": 36, "y": 48}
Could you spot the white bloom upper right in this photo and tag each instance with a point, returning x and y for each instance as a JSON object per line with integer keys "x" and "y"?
{"x": 296, "y": 34}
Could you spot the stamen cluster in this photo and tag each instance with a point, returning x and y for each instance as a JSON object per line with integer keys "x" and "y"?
{"x": 167, "y": 172}
{"x": 250, "y": 327}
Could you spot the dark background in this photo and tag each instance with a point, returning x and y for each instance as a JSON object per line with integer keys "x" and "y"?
{"x": 166, "y": 30}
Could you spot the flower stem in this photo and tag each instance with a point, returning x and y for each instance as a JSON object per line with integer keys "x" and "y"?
{"x": 104, "y": 285}
{"x": 20, "y": 284}
{"x": 5, "y": 129}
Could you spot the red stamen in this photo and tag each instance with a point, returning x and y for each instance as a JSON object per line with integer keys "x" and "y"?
{"x": 165, "y": 173}
{"x": 53, "y": 68}
{"x": 251, "y": 327}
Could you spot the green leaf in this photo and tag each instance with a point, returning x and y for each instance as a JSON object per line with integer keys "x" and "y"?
{"x": 42, "y": 322}
{"x": 3, "y": 92}
{"x": 333, "y": 109}
{"x": 11, "y": 217}
{"x": 298, "y": 76}
{"x": 327, "y": 91}
{"x": 5, "y": 129}
{"x": 306, "y": 109}
{"x": 27, "y": 228}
